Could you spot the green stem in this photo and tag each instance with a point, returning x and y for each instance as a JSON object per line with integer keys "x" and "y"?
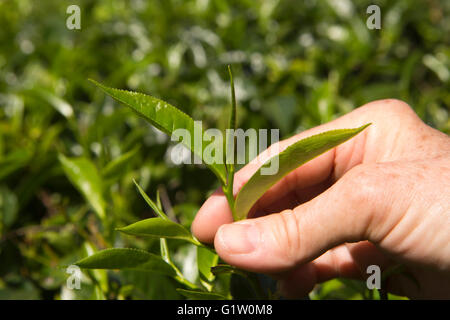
{"x": 228, "y": 191}
{"x": 181, "y": 279}
{"x": 195, "y": 242}
{"x": 166, "y": 257}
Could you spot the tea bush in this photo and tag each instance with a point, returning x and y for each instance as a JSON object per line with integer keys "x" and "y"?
{"x": 296, "y": 65}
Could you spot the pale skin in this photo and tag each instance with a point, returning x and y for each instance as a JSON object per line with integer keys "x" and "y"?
{"x": 380, "y": 198}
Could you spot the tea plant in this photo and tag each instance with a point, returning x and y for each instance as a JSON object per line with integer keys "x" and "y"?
{"x": 168, "y": 119}
{"x": 298, "y": 74}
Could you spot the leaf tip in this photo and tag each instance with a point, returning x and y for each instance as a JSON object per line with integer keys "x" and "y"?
{"x": 365, "y": 125}
{"x": 99, "y": 85}
{"x": 94, "y": 82}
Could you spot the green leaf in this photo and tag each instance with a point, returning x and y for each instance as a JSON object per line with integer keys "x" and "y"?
{"x": 206, "y": 259}
{"x": 225, "y": 268}
{"x": 84, "y": 176}
{"x": 99, "y": 277}
{"x": 14, "y": 161}
{"x": 230, "y": 140}
{"x": 156, "y": 207}
{"x": 126, "y": 258}
{"x": 59, "y": 104}
{"x": 56, "y": 102}
{"x": 292, "y": 157}
{"x": 250, "y": 277}
{"x": 163, "y": 247}
{"x": 116, "y": 167}
{"x": 8, "y": 207}
{"x": 158, "y": 200}
{"x": 159, "y": 228}
{"x": 232, "y": 124}
{"x": 201, "y": 295}
{"x": 166, "y": 118}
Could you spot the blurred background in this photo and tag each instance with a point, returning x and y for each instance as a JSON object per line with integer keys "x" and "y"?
{"x": 296, "y": 64}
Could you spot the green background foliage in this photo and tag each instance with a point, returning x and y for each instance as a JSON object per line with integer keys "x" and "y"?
{"x": 296, "y": 64}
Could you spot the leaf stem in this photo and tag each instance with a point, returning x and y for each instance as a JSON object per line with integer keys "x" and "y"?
{"x": 181, "y": 279}
{"x": 166, "y": 257}
{"x": 228, "y": 191}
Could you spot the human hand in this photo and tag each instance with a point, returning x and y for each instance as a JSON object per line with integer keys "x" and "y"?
{"x": 381, "y": 198}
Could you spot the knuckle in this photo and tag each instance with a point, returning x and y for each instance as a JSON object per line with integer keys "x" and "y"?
{"x": 286, "y": 237}
{"x": 391, "y": 107}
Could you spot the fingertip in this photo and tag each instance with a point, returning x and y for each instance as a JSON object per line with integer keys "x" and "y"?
{"x": 237, "y": 239}
{"x": 212, "y": 214}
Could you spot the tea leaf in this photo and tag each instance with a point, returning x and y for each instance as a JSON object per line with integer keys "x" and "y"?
{"x": 159, "y": 228}
{"x": 292, "y": 157}
{"x": 84, "y": 176}
{"x": 8, "y": 207}
{"x": 206, "y": 259}
{"x": 116, "y": 167}
{"x": 126, "y": 258}
{"x": 225, "y": 268}
{"x": 154, "y": 206}
{"x": 201, "y": 295}
{"x": 61, "y": 105}
{"x": 230, "y": 139}
{"x": 232, "y": 124}
{"x": 14, "y": 161}
{"x": 163, "y": 247}
{"x": 251, "y": 278}
{"x": 166, "y": 118}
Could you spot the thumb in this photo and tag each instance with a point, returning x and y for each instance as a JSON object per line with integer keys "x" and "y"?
{"x": 280, "y": 241}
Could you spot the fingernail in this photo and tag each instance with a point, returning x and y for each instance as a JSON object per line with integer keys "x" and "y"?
{"x": 239, "y": 238}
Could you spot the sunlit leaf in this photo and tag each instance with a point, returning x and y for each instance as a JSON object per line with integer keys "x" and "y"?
{"x": 56, "y": 102}
{"x": 84, "y": 176}
{"x": 206, "y": 259}
{"x": 159, "y": 228}
{"x": 166, "y": 118}
{"x": 100, "y": 276}
{"x": 126, "y": 258}
{"x": 292, "y": 157}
